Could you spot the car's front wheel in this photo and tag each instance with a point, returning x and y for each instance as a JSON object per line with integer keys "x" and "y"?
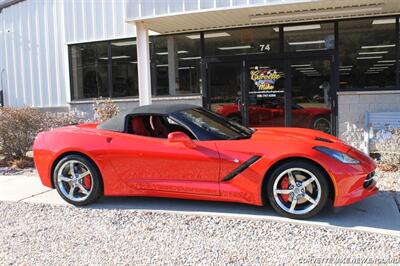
{"x": 77, "y": 180}
{"x": 298, "y": 189}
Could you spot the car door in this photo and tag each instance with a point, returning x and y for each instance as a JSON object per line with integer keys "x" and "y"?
{"x": 149, "y": 163}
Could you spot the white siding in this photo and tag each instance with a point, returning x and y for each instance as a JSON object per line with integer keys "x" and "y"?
{"x": 33, "y": 45}
{"x": 91, "y": 20}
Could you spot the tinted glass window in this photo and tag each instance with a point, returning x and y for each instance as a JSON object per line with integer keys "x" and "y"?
{"x": 311, "y": 94}
{"x": 224, "y": 83}
{"x": 89, "y": 70}
{"x": 124, "y": 68}
{"x": 90, "y": 64}
{"x": 261, "y": 40}
{"x": 309, "y": 38}
{"x": 175, "y": 64}
{"x": 266, "y": 94}
{"x": 367, "y": 50}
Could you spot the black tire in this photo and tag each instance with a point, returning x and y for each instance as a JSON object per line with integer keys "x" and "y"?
{"x": 299, "y": 164}
{"x": 96, "y": 181}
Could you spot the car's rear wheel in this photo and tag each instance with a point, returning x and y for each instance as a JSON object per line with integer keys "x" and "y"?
{"x": 298, "y": 189}
{"x": 77, "y": 180}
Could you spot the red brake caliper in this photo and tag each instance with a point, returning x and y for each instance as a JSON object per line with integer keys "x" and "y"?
{"x": 87, "y": 183}
{"x": 285, "y": 185}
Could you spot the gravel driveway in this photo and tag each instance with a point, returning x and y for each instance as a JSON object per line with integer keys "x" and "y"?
{"x": 44, "y": 234}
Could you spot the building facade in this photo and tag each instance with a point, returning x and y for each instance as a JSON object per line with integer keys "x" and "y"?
{"x": 306, "y": 63}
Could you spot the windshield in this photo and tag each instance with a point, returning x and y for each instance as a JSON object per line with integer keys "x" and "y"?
{"x": 210, "y": 126}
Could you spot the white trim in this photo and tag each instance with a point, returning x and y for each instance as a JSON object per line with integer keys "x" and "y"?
{"x": 99, "y": 40}
{"x": 143, "y": 65}
{"x": 177, "y": 98}
{"x": 136, "y": 99}
{"x": 151, "y": 33}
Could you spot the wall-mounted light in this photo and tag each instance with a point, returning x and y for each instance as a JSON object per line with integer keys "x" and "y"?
{"x": 378, "y": 46}
{"x": 208, "y": 35}
{"x": 235, "y": 47}
{"x": 377, "y": 52}
{"x": 368, "y": 57}
{"x": 307, "y": 42}
{"x": 384, "y": 21}
{"x": 299, "y": 28}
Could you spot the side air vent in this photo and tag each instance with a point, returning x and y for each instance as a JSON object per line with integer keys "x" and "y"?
{"x": 323, "y": 140}
{"x": 241, "y": 168}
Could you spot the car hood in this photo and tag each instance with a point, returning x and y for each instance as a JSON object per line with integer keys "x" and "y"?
{"x": 306, "y": 137}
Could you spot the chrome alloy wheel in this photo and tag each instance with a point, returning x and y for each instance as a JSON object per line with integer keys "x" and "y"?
{"x": 297, "y": 191}
{"x": 75, "y": 180}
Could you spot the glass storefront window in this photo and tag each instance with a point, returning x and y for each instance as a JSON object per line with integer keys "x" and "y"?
{"x": 311, "y": 94}
{"x": 124, "y": 68}
{"x": 175, "y": 65}
{"x": 266, "y": 96}
{"x": 89, "y": 70}
{"x": 90, "y": 64}
{"x": 224, "y": 86}
{"x": 367, "y": 49}
{"x": 159, "y": 66}
{"x": 309, "y": 37}
{"x": 261, "y": 40}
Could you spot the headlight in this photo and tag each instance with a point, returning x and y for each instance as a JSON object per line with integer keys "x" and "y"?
{"x": 340, "y": 156}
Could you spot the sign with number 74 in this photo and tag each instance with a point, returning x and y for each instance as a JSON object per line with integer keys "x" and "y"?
{"x": 265, "y": 47}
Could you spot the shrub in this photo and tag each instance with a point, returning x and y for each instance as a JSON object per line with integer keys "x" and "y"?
{"x": 54, "y": 120}
{"x": 19, "y": 126}
{"x": 386, "y": 143}
{"x": 104, "y": 109}
{"x": 354, "y": 136}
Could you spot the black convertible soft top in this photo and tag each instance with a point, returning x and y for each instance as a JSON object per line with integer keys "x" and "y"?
{"x": 117, "y": 123}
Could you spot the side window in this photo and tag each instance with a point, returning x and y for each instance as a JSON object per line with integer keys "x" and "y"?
{"x": 156, "y": 126}
{"x": 174, "y": 126}
{"x": 148, "y": 126}
{"x": 138, "y": 125}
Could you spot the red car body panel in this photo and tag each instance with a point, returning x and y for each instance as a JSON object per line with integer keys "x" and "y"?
{"x": 266, "y": 116}
{"x": 135, "y": 165}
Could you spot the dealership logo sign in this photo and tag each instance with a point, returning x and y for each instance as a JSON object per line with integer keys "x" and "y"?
{"x": 264, "y": 79}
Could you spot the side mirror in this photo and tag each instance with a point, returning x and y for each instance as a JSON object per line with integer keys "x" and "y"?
{"x": 180, "y": 137}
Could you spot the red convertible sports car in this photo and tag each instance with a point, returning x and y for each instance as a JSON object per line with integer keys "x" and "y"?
{"x": 185, "y": 151}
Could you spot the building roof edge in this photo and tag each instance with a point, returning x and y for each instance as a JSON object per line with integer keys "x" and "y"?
{"x": 8, "y": 3}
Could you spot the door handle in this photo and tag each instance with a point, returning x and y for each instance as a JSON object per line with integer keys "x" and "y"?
{"x": 109, "y": 139}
